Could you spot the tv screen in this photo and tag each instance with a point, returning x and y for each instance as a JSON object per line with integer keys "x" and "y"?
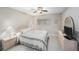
{"x": 68, "y": 31}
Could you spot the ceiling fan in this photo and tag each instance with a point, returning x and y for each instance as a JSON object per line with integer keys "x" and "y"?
{"x": 39, "y": 10}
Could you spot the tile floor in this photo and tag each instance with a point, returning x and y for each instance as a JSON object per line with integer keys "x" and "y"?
{"x": 54, "y": 44}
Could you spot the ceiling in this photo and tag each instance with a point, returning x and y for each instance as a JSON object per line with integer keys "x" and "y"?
{"x": 51, "y": 10}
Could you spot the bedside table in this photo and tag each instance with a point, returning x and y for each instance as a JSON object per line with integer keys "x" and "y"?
{"x": 8, "y": 42}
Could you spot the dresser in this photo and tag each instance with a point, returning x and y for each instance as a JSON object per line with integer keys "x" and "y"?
{"x": 66, "y": 44}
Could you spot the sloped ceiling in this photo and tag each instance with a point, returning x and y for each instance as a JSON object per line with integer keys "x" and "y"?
{"x": 51, "y": 10}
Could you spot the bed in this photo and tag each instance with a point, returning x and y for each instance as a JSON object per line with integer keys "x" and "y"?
{"x": 35, "y": 39}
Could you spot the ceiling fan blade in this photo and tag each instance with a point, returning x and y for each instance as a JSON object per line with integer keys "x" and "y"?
{"x": 45, "y": 10}
{"x": 34, "y": 11}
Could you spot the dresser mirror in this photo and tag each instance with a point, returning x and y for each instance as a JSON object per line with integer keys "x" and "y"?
{"x": 69, "y": 28}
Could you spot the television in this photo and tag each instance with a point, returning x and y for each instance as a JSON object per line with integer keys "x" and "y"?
{"x": 68, "y": 31}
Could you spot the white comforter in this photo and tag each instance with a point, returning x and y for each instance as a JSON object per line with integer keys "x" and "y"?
{"x": 36, "y": 38}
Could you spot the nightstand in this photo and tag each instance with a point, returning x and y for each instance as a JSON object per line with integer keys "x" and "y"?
{"x": 8, "y": 42}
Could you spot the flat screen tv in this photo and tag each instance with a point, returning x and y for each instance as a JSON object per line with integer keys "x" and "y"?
{"x": 68, "y": 31}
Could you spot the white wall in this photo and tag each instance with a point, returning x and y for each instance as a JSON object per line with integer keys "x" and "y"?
{"x": 73, "y": 12}
{"x": 11, "y": 17}
{"x": 53, "y": 24}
